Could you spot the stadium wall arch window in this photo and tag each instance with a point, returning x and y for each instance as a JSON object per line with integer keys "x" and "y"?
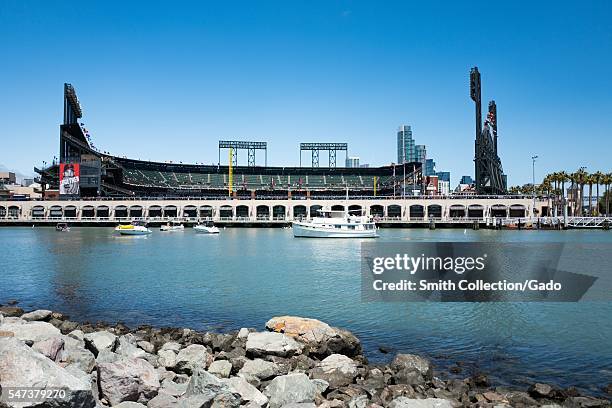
{"x": 377, "y": 211}
{"x": 263, "y": 212}
{"x": 394, "y": 211}
{"x": 242, "y": 211}
{"x": 416, "y": 212}
{"x": 121, "y": 211}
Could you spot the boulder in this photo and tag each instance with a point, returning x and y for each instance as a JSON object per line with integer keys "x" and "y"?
{"x": 146, "y": 346}
{"x": 290, "y": 388}
{"x": 29, "y": 331}
{"x": 321, "y": 339}
{"x": 220, "y": 368}
{"x": 404, "y": 402}
{"x": 204, "y": 385}
{"x": 260, "y": 369}
{"x": 247, "y": 392}
{"x": 539, "y": 390}
{"x": 11, "y": 311}
{"x": 107, "y": 356}
{"x": 192, "y": 357}
{"x": 171, "y": 345}
{"x": 243, "y": 333}
{"x": 126, "y": 346}
{"x": 163, "y": 401}
{"x": 271, "y": 343}
{"x": 77, "y": 335}
{"x": 130, "y": 404}
{"x": 20, "y": 366}
{"x": 76, "y": 353}
{"x": 413, "y": 362}
{"x": 359, "y": 401}
{"x": 338, "y": 370}
{"x": 171, "y": 388}
{"x": 128, "y": 380}
{"x": 100, "y": 340}
{"x": 50, "y": 347}
{"x": 166, "y": 358}
{"x": 37, "y": 315}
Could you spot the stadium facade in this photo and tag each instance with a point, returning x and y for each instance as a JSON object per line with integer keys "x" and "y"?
{"x": 85, "y": 172}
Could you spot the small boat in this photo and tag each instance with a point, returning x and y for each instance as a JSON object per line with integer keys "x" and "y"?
{"x": 132, "y": 229}
{"x": 336, "y": 224}
{"x": 172, "y": 226}
{"x": 206, "y": 229}
{"x": 61, "y": 227}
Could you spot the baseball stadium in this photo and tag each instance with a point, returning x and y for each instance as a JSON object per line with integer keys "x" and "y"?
{"x": 85, "y": 172}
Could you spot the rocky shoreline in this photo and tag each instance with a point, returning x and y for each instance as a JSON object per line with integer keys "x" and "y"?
{"x": 293, "y": 362}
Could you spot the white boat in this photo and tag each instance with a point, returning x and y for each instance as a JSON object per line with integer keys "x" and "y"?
{"x": 206, "y": 229}
{"x": 336, "y": 224}
{"x": 132, "y": 229}
{"x": 172, "y": 226}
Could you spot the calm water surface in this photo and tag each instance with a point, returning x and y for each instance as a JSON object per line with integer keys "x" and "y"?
{"x": 243, "y": 277}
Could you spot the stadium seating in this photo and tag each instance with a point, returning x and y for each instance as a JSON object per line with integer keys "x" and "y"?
{"x": 189, "y": 179}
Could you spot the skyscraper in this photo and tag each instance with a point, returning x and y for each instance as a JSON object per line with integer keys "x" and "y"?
{"x": 420, "y": 154}
{"x": 352, "y": 161}
{"x": 405, "y": 145}
{"x": 430, "y": 167}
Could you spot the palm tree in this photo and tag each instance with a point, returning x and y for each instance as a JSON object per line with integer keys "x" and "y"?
{"x": 607, "y": 180}
{"x": 563, "y": 177}
{"x": 581, "y": 177}
{"x": 598, "y": 179}
{"x": 590, "y": 179}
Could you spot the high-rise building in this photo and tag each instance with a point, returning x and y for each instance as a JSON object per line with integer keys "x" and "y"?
{"x": 443, "y": 187}
{"x": 352, "y": 161}
{"x": 430, "y": 167}
{"x": 420, "y": 154}
{"x": 466, "y": 180}
{"x": 444, "y": 175}
{"x": 405, "y": 145}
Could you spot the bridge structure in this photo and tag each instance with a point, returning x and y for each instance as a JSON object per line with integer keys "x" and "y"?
{"x": 388, "y": 211}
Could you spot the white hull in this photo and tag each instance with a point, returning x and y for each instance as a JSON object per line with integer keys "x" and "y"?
{"x": 133, "y": 231}
{"x": 172, "y": 228}
{"x": 307, "y": 230}
{"x": 206, "y": 230}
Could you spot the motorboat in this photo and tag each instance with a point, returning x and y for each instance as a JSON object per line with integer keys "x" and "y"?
{"x": 61, "y": 227}
{"x": 132, "y": 229}
{"x": 172, "y": 226}
{"x": 336, "y": 224}
{"x": 206, "y": 229}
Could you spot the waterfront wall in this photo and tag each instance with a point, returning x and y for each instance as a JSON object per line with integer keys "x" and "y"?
{"x": 273, "y": 210}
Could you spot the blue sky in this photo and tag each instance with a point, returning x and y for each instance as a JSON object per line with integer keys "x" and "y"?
{"x": 167, "y": 80}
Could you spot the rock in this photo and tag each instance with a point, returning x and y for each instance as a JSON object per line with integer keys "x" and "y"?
{"x": 128, "y": 380}
{"x": 290, "y": 388}
{"x": 321, "y": 385}
{"x": 247, "y": 392}
{"x": 221, "y": 368}
{"x": 50, "y": 347}
{"x": 300, "y": 405}
{"x": 260, "y": 369}
{"x": 338, "y": 370}
{"x": 126, "y": 347}
{"x": 271, "y": 343}
{"x": 404, "y": 402}
{"x": 208, "y": 387}
{"x": 75, "y": 353}
{"x": 163, "y": 401}
{"x": 192, "y": 357}
{"x": 68, "y": 326}
{"x": 409, "y": 376}
{"x": 100, "y": 340}
{"x": 129, "y": 404}
{"x": 171, "y": 345}
{"x": 360, "y": 401}
{"x": 322, "y": 339}
{"x": 29, "y": 331}
{"x": 166, "y": 358}
{"x": 107, "y": 356}
{"x": 146, "y": 346}
{"x": 37, "y": 315}
{"x": 77, "y": 335}
{"x": 413, "y": 362}
{"x": 196, "y": 401}
{"x": 243, "y": 333}
{"x": 11, "y": 311}
{"x": 480, "y": 380}
{"x": 539, "y": 390}
{"x": 20, "y": 366}
{"x": 171, "y": 388}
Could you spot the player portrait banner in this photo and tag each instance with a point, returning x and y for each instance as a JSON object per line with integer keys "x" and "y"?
{"x": 69, "y": 179}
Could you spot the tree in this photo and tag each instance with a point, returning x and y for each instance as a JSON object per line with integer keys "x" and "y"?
{"x": 598, "y": 179}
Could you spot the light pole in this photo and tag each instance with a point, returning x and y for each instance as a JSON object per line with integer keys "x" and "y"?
{"x": 533, "y": 160}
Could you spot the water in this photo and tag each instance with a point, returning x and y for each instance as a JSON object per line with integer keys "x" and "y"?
{"x": 242, "y": 277}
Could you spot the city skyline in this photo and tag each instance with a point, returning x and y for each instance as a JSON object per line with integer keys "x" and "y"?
{"x": 170, "y": 90}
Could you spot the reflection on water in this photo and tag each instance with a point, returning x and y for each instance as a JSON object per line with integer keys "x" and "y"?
{"x": 242, "y": 277}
